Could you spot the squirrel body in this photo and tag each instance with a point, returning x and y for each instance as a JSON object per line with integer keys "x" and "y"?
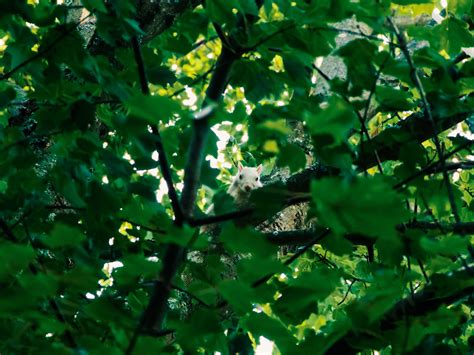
{"x": 246, "y": 180}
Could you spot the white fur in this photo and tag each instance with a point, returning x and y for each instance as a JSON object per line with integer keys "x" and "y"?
{"x": 246, "y": 180}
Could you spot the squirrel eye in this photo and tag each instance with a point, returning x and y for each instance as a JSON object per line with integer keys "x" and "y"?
{"x": 256, "y": 179}
{"x": 240, "y": 177}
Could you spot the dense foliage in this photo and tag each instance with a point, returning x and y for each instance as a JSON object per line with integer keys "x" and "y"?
{"x": 122, "y": 121}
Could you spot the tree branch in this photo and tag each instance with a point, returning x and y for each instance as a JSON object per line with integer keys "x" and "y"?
{"x": 162, "y": 159}
{"x": 155, "y": 312}
{"x": 46, "y": 49}
{"x": 433, "y": 296}
{"x": 295, "y": 256}
{"x": 301, "y": 237}
{"x": 353, "y": 281}
{"x": 434, "y": 167}
{"x": 221, "y": 218}
{"x": 428, "y": 115}
{"x": 414, "y": 129}
{"x": 361, "y": 119}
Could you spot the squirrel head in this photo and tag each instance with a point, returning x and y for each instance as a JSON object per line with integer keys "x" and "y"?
{"x": 248, "y": 178}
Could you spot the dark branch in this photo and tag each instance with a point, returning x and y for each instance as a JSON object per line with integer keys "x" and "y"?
{"x": 428, "y": 115}
{"x": 347, "y": 292}
{"x": 155, "y": 312}
{"x": 435, "y": 166}
{"x": 45, "y": 50}
{"x": 162, "y": 159}
{"x": 295, "y": 256}
{"x": 200, "y": 132}
{"x": 197, "y": 299}
{"x": 221, "y": 218}
{"x": 433, "y": 296}
{"x": 194, "y": 82}
{"x": 355, "y": 33}
{"x": 302, "y": 237}
{"x": 415, "y": 128}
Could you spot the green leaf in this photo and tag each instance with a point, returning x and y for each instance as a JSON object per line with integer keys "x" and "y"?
{"x": 451, "y": 35}
{"x": 392, "y": 99}
{"x": 240, "y": 296}
{"x": 64, "y": 236}
{"x": 246, "y": 241}
{"x": 15, "y": 257}
{"x": 220, "y": 11}
{"x": 303, "y": 293}
{"x": 93, "y": 5}
{"x": 364, "y": 205}
{"x": 248, "y": 7}
{"x": 202, "y": 329}
{"x": 334, "y": 120}
{"x": 260, "y": 324}
{"x": 152, "y": 109}
{"x": 449, "y": 245}
{"x": 367, "y": 206}
{"x": 293, "y": 156}
{"x": 359, "y": 55}
{"x": 460, "y": 7}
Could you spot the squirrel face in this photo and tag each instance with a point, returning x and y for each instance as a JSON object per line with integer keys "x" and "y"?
{"x": 248, "y": 178}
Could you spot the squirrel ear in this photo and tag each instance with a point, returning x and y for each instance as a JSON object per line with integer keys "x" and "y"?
{"x": 259, "y": 169}
{"x": 240, "y": 166}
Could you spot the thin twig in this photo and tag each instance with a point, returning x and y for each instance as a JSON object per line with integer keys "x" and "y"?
{"x": 197, "y": 299}
{"x": 45, "y": 50}
{"x": 434, "y": 167}
{"x": 428, "y": 115}
{"x": 374, "y": 87}
{"x": 347, "y": 292}
{"x": 29, "y": 138}
{"x": 221, "y": 218}
{"x": 162, "y": 158}
{"x": 295, "y": 256}
{"x": 201, "y": 77}
{"x": 410, "y": 282}
{"x": 423, "y": 271}
{"x": 360, "y": 34}
{"x": 360, "y": 118}
{"x": 267, "y": 38}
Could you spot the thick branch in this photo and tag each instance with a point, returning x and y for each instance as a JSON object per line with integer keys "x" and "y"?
{"x": 433, "y": 296}
{"x": 192, "y": 171}
{"x": 415, "y": 129}
{"x": 155, "y": 312}
{"x": 302, "y": 237}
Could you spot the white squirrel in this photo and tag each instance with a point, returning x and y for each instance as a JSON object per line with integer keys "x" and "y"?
{"x": 246, "y": 180}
